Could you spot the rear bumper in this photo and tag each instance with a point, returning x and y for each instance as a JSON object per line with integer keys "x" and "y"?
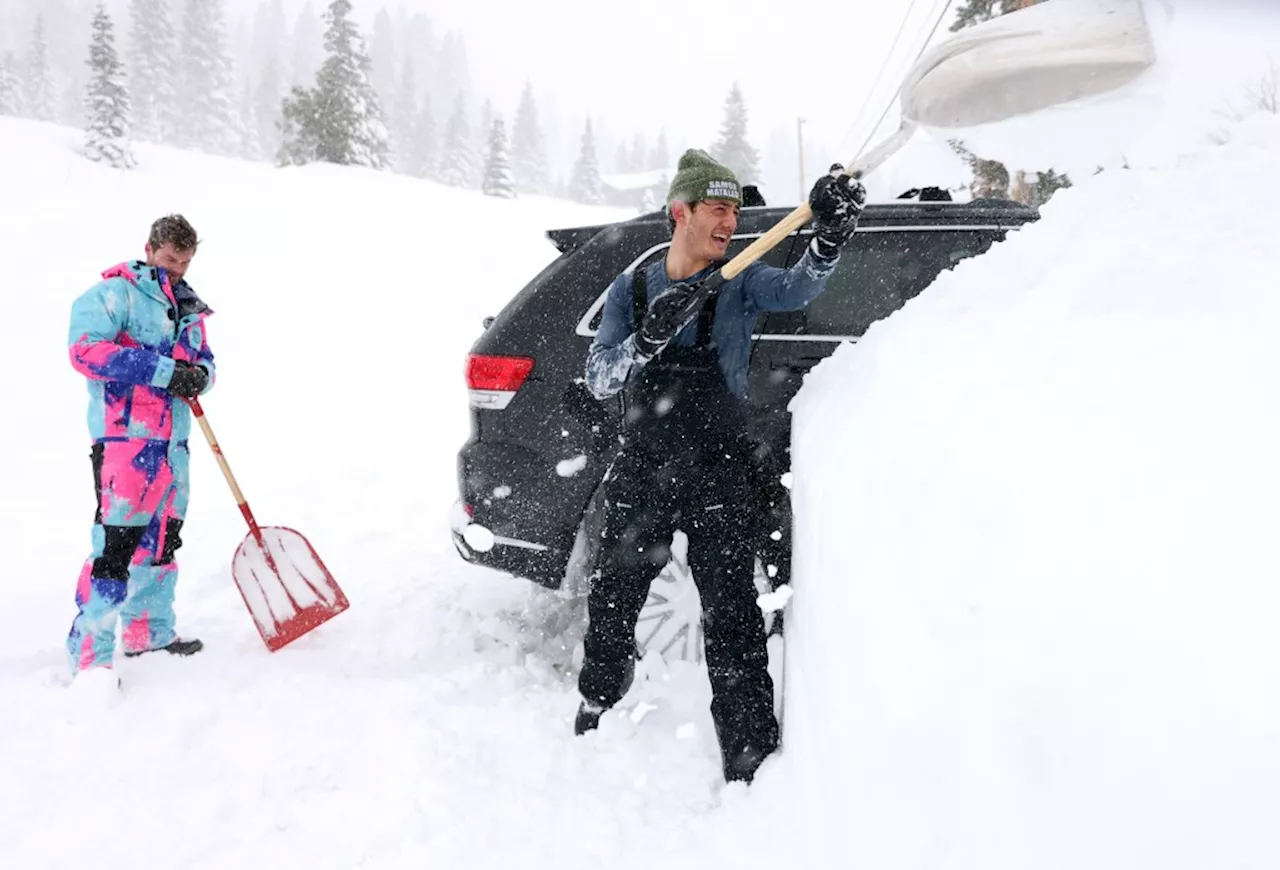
{"x": 539, "y": 562}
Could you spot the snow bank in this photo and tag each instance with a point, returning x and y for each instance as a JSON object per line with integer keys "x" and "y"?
{"x": 1034, "y": 622}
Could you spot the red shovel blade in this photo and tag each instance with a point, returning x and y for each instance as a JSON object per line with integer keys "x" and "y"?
{"x": 286, "y": 587}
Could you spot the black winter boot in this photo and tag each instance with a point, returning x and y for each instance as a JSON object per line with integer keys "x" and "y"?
{"x": 744, "y": 764}
{"x": 177, "y": 647}
{"x": 588, "y": 718}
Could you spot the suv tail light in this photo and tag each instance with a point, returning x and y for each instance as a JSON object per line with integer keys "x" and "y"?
{"x": 492, "y": 381}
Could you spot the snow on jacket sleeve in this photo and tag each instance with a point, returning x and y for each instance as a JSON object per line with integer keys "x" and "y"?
{"x": 613, "y": 354}
{"x": 772, "y": 289}
{"x": 97, "y": 319}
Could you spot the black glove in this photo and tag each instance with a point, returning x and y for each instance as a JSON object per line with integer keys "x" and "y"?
{"x": 837, "y": 201}
{"x": 668, "y": 314}
{"x": 188, "y": 381}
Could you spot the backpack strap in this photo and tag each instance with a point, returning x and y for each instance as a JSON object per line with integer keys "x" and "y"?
{"x": 639, "y": 296}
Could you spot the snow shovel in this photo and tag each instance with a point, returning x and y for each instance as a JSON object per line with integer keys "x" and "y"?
{"x": 1025, "y": 61}
{"x": 286, "y": 587}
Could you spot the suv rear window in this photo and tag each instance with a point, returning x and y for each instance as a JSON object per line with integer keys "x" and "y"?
{"x": 879, "y": 271}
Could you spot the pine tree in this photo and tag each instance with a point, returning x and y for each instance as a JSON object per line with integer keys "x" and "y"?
{"x": 340, "y": 119}
{"x": 528, "y": 148}
{"x": 457, "y": 162}
{"x": 106, "y": 138}
{"x": 422, "y": 154}
{"x": 267, "y": 98}
{"x": 404, "y": 118}
{"x": 153, "y": 53}
{"x": 250, "y": 142}
{"x": 639, "y": 154}
{"x": 732, "y": 148}
{"x": 206, "y": 88}
{"x": 39, "y": 90}
{"x": 585, "y": 186}
{"x": 660, "y": 157}
{"x": 382, "y": 58}
{"x": 497, "y": 169}
{"x": 10, "y": 86}
{"x": 480, "y": 141}
{"x": 972, "y": 12}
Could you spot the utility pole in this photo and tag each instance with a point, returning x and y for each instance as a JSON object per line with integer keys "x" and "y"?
{"x": 800, "y": 150}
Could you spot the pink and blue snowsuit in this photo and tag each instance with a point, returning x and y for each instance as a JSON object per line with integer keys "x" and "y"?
{"x": 126, "y": 332}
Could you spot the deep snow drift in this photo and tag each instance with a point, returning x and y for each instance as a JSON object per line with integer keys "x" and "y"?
{"x": 1035, "y": 557}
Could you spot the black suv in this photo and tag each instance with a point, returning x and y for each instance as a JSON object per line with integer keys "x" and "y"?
{"x": 540, "y": 443}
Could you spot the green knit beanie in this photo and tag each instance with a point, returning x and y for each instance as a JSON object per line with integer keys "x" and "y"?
{"x": 700, "y": 177}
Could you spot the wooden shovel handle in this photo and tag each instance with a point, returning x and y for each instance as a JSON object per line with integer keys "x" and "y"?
{"x": 765, "y": 243}
{"x": 217, "y": 453}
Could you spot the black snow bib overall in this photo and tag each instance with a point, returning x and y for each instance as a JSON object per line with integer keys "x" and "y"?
{"x": 679, "y": 408}
{"x": 684, "y": 464}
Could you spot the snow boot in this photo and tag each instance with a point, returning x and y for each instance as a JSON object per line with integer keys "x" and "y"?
{"x": 743, "y": 766}
{"x": 588, "y": 718}
{"x": 177, "y": 647}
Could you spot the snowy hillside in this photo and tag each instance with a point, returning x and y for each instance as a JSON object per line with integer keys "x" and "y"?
{"x": 1035, "y": 561}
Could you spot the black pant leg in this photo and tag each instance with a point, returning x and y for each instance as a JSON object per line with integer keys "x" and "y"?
{"x": 636, "y": 546}
{"x": 721, "y": 556}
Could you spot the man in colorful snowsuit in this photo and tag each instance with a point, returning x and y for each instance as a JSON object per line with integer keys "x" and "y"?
{"x": 685, "y": 460}
{"x": 139, "y": 337}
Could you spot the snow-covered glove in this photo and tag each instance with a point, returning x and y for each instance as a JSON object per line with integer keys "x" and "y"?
{"x": 837, "y": 201}
{"x": 668, "y": 313}
{"x": 188, "y": 381}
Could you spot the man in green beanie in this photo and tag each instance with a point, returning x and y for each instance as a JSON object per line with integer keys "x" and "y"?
{"x": 685, "y": 461}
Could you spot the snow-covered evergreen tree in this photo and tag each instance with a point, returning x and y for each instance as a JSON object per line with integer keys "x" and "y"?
{"x": 382, "y": 58}
{"x": 528, "y": 147}
{"x": 971, "y": 12}
{"x": 207, "y": 93}
{"x": 340, "y": 119}
{"x": 660, "y": 157}
{"x": 457, "y": 160}
{"x": 267, "y": 98}
{"x": 497, "y": 168}
{"x": 585, "y": 186}
{"x": 422, "y": 153}
{"x": 106, "y": 140}
{"x": 480, "y": 141}
{"x": 38, "y": 90}
{"x": 10, "y": 86}
{"x": 732, "y": 148}
{"x": 404, "y": 118}
{"x": 251, "y": 147}
{"x": 153, "y": 57}
{"x": 639, "y": 155}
